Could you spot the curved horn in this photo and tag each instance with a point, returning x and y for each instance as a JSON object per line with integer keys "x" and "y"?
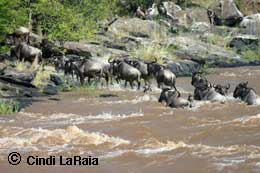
{"x": 179, "y": 94}
{"x": 228, "y": 86}
{"x": 109, "y": 60}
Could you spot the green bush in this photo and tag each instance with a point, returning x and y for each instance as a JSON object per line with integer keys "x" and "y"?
{"x": 8, "y": 107}
{"x": 251, "y": 54}
{"x": 59, "y": 20}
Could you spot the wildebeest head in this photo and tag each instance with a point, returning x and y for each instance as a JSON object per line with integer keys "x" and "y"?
{"x": 164, "y": 95}
{"x": 10, "y": 39}
{"x": 223, "y": 90}
{"x": 198, "y": 81}
{"x": 174, "y": 94}
{"x": 114, "y": 63}
{"x": 240, "y": 90}
{"x": 153, "y": 67}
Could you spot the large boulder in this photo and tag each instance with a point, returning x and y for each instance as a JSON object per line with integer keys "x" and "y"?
{"x": 183, "y": 67}
{"x": 225, "y": 12}
{"x": 87, "y": 49}
{"x": 241, "y": 42}
{"x": 21, "y": 31}
{"x": 136, "y": 27}
{"x": 200, "y": 27}
{"x": 251, "y": 24}
{"x": 197, "y": 14}
{"x": 77, "y": 48}
{"x": 50, "y": 89}
{"x": 56, "y": 80}
{"x": 169, "y": 9}
{"x": 215, "y": 56}
{"x": 11, "y": 88}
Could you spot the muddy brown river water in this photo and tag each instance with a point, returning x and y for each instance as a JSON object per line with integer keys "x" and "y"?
{"x": 131, "y": 132}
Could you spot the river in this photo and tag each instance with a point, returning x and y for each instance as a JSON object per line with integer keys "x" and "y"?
{"x": 129, "y": 131}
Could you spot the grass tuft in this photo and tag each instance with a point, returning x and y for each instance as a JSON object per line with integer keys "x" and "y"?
{"x": 8, "y": 107}
{"x": 154, "y": 51}
{"x": 42, "y": 77}
{"x": 251, "y": 54}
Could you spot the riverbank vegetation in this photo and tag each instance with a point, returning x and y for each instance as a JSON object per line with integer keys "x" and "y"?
{"x": 57, "y": 20}
{"x": 8, "y": 107}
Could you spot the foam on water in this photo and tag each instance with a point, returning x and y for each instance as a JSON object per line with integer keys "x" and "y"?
{"x": 68, "y": 118}
{"x": 57, "y": 138}
{"x": 246, "y": 121}
{"x": 258, "y": 101}
{"x": 139, "y": 99}
{"x": 220, "y": 155}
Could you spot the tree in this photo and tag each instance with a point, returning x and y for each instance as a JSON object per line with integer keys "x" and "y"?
{"x": 11, "y": 16}
{"x": 59, "y": 19}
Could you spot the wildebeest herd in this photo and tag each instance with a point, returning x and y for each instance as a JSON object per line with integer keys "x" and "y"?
{"x": 132, "y": 71}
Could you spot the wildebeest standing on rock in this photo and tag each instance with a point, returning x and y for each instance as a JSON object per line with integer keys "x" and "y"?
{"x": 22, "y": 50}
{"x": 245, "y": 93}
{"x": 25, "y": 52}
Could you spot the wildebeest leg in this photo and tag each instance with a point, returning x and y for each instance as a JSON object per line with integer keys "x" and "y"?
{"x": 173, "y": 86}
{"x": 117, "y": 80}
{"x": 131, "y": 84}
{"x": 110, "y": 79}
{"x": 158, "y": 83}
{"x": 107, "y": 79}
{"x": 125, "y": 84}
{"x": 82, "y": 78}
{"x": 139, "y": 84}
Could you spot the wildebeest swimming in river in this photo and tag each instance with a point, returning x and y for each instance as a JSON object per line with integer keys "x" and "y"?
{"x": 222, "y": 89}
{"x": 204, "y": 90}
{"x": 245, "y": 93}
{"x": 173, "y": 99}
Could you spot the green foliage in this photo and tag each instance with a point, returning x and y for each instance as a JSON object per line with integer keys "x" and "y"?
{"x": 216, "y": 39}
{"x": 155, "y": 51}
{"x": 8, "y": 107}
{"x": 10, "y": 18}
{"x": 60, "y": 20}
{"x": 42, "y": 78}
{"x": 251, "y": 54}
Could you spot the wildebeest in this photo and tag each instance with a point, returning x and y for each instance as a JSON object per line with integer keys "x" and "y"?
{"x": 24, "y": 52}
{"x": 58, "y": 62}
{"x": 173, "y": 99}
{"x": 198, "y": 80}
{"x": 207, "y": 93}
{"x": 126, "y": 72}
{"x": 245, "y": 93}
{"x": 162, "y": 75}
{"x": 87, "y": 68}
{"x": 106, "y": 70}
{"x": 142, "y": 66}
{"x": 222, "y": 89}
